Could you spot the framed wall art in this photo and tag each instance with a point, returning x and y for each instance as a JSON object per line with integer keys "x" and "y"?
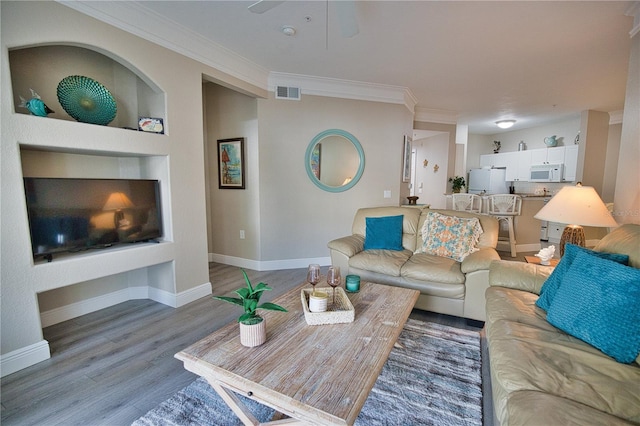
{"x": 231, "y": 163}
{"x": 406, "y": 160}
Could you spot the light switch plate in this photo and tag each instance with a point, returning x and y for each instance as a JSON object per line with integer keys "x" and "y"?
{"x": 387, "y": 194}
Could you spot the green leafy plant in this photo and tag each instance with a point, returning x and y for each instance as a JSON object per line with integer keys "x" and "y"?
{"x": 249, "y": 299}
{"x": 457, "y": 182}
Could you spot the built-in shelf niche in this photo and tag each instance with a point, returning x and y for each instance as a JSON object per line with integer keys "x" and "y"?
{"x": 64, "y": 164}
{"x": 41, "y": 68}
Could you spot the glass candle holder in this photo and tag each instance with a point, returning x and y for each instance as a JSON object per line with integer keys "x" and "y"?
{"x": 352, "y": 283}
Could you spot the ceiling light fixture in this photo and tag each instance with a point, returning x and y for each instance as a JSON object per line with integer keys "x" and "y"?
{"x": 288, "y": 30}
{"x": 505, "y": 124}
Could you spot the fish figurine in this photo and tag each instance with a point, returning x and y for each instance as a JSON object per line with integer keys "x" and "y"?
{"x": 35, "y": 105}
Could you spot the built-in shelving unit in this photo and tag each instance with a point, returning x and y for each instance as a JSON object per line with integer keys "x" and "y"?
{"x": 41, "y": 68}
{"x": 84, "y": 150}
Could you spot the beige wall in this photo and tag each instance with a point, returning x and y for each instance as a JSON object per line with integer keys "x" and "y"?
{"x": 431, "y": 185}
{"x": 229, "y": 114}
{"x": 297, "y": 218}
{"x": 627, "y": 193}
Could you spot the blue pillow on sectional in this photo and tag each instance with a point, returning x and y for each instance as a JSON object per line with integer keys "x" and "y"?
{"x": 551, "y": 285}
{"x": 598, "y": 303}
{"x": 383, "y": 233}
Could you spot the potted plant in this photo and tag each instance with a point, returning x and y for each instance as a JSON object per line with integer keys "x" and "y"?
{"x": 457, "y": 182}
{"x": 253, "y": 329}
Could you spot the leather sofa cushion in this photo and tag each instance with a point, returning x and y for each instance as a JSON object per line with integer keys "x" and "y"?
{"x": 537, "y": 408}
{"x": 388, "y": 262}
{"x": 528, "y": 354}
{"x": 623, "y": 239}
{"x": 428, "y": 267}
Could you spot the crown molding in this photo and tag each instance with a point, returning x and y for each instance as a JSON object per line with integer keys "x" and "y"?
{"x": 346, "y": 89}
{"x": 615, "y": 117}
{"x": 432, "y": 115}
{"x": 142, "y": 21}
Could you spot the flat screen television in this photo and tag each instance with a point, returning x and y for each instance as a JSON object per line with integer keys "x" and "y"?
{"x": 70, "y": 215}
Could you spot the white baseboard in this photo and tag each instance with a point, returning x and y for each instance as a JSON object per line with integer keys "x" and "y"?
{"x": 268, "y": 265}
{"x": 24, "y": 357}
{"x": 93, "y": 304}
{"x": 180, "y": 299}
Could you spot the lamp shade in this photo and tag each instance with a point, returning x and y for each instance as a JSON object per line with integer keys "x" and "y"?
{"x": 577, "y": 205}
{"x": 117, "y": 201}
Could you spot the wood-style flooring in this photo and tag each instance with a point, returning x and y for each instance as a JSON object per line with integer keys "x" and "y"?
{"x": 112, "y": 366}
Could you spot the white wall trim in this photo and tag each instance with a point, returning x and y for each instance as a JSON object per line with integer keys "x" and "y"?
{"x": 269, "y": 265}
{"x": 74, "y": 310}
{"x": 24, "y": 357}
{"x": 432, "y": 115}
{"x": 615, "y": 117}
{"x": 345, "y": 89}
{"x": 134, "y": 18}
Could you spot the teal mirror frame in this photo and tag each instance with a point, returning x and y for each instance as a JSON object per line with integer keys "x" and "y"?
{"x": 318, "y": 138}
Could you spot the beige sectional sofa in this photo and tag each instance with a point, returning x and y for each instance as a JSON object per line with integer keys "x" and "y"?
{"x": 541, "y": 375}
{"x": 446, "y": 285}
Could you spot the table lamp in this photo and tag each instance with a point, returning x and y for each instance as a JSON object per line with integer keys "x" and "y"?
{"x": 576, "y": 206}
{"x": 117, "y": 201}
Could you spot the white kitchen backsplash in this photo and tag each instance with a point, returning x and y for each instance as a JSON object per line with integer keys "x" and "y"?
{"x": 539, "y": 187}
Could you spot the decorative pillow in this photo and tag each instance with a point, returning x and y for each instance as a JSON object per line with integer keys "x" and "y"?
{"x": 383, "y": 233}
{"x": 552, "y": 284}
{"x": 450, "y": 236}
{"x": 598, "y": 303}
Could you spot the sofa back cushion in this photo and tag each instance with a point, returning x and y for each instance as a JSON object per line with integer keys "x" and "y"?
{"x": 409, "y": 222}
{"x": 490, "y": 227}
{"x": 624, "y": 239}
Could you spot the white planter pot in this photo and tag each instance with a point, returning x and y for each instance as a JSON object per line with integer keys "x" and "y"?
{"x": 253, "y": 335}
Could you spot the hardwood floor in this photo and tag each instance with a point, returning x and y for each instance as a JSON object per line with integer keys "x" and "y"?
{"x": 112, "y": 366}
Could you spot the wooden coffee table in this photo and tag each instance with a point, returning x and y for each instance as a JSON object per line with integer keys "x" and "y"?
{"x": 319, "y": 374}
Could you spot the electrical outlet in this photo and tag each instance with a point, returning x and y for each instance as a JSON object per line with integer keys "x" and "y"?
{"x": 242, "y": 234}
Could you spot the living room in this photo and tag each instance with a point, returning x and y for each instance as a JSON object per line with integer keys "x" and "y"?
{"x": 176, "y": 271}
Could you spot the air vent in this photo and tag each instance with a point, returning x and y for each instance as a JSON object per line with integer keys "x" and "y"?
{"x": 284, "y": 92}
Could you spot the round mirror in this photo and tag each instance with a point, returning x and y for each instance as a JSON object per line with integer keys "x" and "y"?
{"x": 334, "y": 160}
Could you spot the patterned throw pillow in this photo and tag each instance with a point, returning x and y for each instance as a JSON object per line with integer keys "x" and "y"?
{"x": 552, "y": 284}
{"x": 598, "y": 303}
{"x": 450, "y": 236}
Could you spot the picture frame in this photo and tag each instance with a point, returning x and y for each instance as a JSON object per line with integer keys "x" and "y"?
{"x": 231, "y": 165}
{"x": 406, "y": 160}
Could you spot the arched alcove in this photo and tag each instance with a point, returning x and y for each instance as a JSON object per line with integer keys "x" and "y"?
{"x": 41, "y": 68}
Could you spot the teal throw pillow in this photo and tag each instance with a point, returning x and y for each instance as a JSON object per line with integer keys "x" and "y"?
{"x": 383, "y": 233}
{"x": 599, "y": 302}
{"x": 551, "y": 285}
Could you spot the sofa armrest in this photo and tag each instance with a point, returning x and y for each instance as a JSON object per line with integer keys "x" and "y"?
{"x": 479, "y": 260}
{"x": 349, "y": 246}
{"x": 518, "y": 275}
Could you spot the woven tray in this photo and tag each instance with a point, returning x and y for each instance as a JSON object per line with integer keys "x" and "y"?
{"x": 341, "y": 312}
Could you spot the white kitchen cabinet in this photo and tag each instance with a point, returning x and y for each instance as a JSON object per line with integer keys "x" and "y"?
{"x": 570, "y": 163}
{"x": 518, "y": 166}
{"x": 553, "y": 155}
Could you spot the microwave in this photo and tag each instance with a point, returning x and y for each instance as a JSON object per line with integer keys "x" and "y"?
{"x": 546, "y": 173}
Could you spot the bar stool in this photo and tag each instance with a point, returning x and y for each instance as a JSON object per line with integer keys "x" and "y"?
{"x": 506, "y": 207}
{"x": 467, "y": 203}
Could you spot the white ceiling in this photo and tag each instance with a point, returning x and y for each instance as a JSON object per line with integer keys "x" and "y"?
{"x": 535, "y": 62}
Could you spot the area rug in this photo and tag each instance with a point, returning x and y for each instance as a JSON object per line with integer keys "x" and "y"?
{"x": 432, "y": 377}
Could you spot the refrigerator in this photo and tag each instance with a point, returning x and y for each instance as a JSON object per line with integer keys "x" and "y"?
{"x": 491, "y": 181}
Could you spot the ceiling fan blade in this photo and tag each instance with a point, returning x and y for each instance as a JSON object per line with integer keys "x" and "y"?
{"x": 347, "y": 18}
{"x": 264, "y": 5}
